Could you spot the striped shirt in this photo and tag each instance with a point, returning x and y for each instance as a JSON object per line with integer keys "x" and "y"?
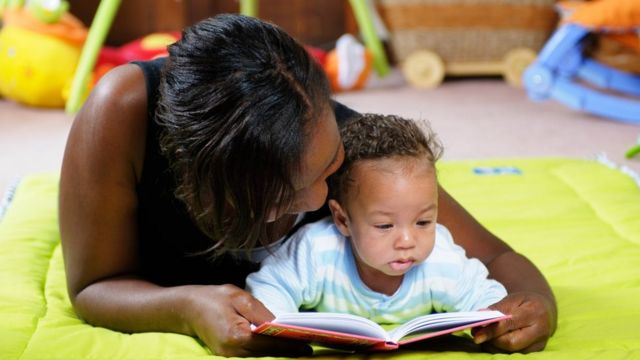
{"x": 316, "y": 270}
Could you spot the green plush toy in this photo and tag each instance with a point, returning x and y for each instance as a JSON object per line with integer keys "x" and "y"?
{"x": 634, "y": 150}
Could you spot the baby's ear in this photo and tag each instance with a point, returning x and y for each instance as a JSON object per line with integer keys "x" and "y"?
{"x": 339, "y": 217}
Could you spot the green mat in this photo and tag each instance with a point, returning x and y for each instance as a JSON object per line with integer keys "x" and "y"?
{"x": 578, "y": 220}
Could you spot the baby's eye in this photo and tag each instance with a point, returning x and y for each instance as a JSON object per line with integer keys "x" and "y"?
{"x": 423, "y": 222}
{"x": 384, "y": 226}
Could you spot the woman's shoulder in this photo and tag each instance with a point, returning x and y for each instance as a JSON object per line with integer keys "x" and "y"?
{"x": 115, "y": 115}
{"x": 123, "y": 87}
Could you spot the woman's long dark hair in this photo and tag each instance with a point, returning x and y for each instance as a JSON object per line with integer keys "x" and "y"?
{"x": 238, "y": 98}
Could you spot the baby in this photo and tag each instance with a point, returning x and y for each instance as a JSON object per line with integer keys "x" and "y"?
{"x": 381, "y": 255}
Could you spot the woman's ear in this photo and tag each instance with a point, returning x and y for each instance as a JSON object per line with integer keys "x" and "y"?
{"x": 339, "y": 217}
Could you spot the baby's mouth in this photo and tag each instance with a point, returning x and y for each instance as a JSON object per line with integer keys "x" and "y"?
{"x": 401, "y": 264}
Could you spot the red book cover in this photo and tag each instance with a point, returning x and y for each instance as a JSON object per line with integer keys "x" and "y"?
{"x": 354, "y": 332}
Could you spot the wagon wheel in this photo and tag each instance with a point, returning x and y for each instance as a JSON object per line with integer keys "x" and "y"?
{"x": 423, "y": 69}
{"x": 515, "y": 63}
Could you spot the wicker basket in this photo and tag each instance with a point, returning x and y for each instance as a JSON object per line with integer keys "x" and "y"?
{"x": 467, "y": 31}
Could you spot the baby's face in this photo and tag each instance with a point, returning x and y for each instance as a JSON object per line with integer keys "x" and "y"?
{"x": 392, "y": 212}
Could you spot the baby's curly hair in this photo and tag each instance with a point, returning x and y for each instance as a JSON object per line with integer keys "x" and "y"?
{"x": 377, "y": 136}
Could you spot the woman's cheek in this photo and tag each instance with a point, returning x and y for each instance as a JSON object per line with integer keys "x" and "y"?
{"x": 312, "y": 199}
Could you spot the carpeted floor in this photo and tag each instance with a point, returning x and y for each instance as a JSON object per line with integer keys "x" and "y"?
{"x": 475, "y": 118}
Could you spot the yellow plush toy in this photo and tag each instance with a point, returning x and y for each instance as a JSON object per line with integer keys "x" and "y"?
{"x": 38, "y": 58}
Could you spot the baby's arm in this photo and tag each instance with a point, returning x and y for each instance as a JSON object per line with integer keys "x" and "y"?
{"x": 474, "y": 290}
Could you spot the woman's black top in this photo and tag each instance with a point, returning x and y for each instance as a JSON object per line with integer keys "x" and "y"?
{"x": 169, "y": 239}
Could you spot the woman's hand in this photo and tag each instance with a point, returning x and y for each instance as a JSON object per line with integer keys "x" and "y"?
{"x": 530, "y": 301}
{"x": 221, "y": 317}
{"x": 532, "y": 323}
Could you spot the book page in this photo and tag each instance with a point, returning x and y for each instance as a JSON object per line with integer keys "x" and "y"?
{"x": 441, "y": 321}
{"x": 345, "y": 323}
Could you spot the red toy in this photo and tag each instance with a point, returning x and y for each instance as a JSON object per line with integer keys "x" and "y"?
{"x": 146, "y": 48}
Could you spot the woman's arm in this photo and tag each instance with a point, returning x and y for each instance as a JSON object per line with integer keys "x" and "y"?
{"x": 530, "y": 300}
{"x": 98, "y": 209}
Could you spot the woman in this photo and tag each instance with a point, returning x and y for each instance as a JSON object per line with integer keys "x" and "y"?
{"x": 174, "y": 180}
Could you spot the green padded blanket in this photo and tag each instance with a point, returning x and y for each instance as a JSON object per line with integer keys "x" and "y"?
{"x": 578, "y": 220}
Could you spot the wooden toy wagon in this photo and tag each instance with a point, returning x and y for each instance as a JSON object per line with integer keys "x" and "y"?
{"x": 434, "y": 38}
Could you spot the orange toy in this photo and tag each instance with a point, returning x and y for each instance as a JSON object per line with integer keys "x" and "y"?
{"x": 614, "y": 15}
{"x": 616, "y": 22}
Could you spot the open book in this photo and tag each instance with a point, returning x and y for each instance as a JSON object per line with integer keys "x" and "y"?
{"x": 352, "y": 331}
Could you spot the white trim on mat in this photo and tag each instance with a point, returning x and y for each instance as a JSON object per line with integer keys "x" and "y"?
{"x": 7, "y": 197}
{"x": 603, "y": 159}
